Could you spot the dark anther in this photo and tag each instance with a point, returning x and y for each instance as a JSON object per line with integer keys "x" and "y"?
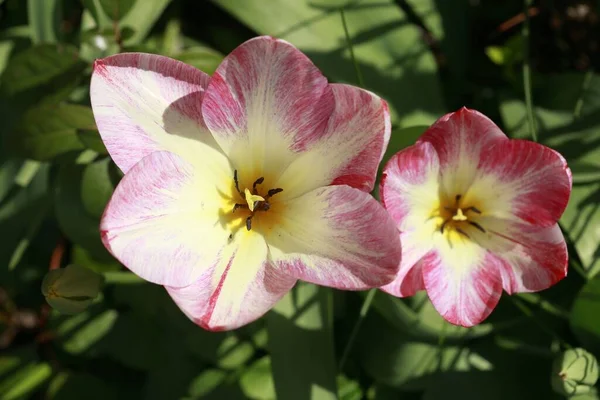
{"x": 457, "y": 198}
{"x": 476, "y": 225}
{"x": 249, "y": 223}
{"x": 257, "y": 182}
{"x": 237, "y": 187}
{"x": 273, "y": 192}
{"x": 237, "y": 205}
{"x": 462, "y": 232}
{"x": 444, "y": 225}
{"x": 474, "y": 209}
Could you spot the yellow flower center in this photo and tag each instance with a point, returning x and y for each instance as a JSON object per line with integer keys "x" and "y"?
{"x": 459, "y": 217}
{"x": 252, "y": 201}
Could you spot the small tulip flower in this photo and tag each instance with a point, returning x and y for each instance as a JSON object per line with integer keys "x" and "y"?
{"x": 239, "y": 184}
{"x": 72, "y": 289}
{"x": 574, "y": 372}
{"x": 477, "y": 213}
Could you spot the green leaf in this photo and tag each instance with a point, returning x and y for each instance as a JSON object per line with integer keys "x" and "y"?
{"x": 97, "y": 186}
{"x": 44, "y": 20}
{"x": 203, "y": 58}
{"x": 25, "y": 380}
{"x": 392, "y": 56}
{"x": 91, "y": 140}
{"x": 257, "y": 380}
{"x": 301, "y": 345}
{"x": 116, "y": 9}
{"x": 75, "y": 221}
{"x": 395, "y": 359}
{"x": 80, "y": 333}
{"x": 348, "y": 389}
{"x": 206, "y": 382}
{"x": 47, "y": 131}
{"x": 43, "y": 73}
{"x": 584, "y": 314}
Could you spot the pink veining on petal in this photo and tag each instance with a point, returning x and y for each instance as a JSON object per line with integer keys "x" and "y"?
{"x": 351, "y": 243}
{"x": 138, "y": 97}
{"x": 466, "y": 297}
{"x": 539, "y": 175}
{"x": 462, "y": 133}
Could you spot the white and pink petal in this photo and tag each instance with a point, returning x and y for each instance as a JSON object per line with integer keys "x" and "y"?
{"x": 238, "y": 290}
{"x": 144, "y": 103}
{"x": 335, "y": 236}
{"x": 162, "y": 221}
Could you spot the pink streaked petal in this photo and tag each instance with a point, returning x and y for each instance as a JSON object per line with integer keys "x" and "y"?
{"x": 410, "y": 186}
{"x": 239, "y": 290}
{"x": 144, "y": 103}
{"x": 349, "y": 150}
{"x": 538, "y": 177}
{"x": 461, "y": 133}
{"x": 335, "y": 236}
{"x": 265, "y": 99}
{"x": 532, "y": 258}
{"x": 409, "y": 279}
{"x": 467, "y": 295}
{"x": 159, "y": 214}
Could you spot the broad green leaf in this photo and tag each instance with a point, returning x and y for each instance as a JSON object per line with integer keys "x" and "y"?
{"x": 301, "y": 345}
{"x": 75, "y": 221}
{"x": 97, "y": 185}
{"x": 348, "y": 389}
{"x": 394, "y": 60}
{"x": 91, "y": 140}
{"x": 44, "y": 20}
{"x": 81, "y": 256}
{"x": 257, "y": 380}
{"x": 206, "y": 382}
{"x": 43, "y": 73}
{"x": 395, "y": 359}
{"x": 81, "y": 332}
{"x": 116, "y": 9}
{"x": 203, "y": 58}
{"x": 47, "y": 131}
{"x": 25, "y": 380}
{"x": 584, "y": 316}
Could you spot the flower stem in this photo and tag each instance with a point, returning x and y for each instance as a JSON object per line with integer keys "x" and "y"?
{"x": 363, "y": 313}
{"x": 359, "y": 77}
{"x": 587, "y": 79}
{"x": 527, "y": 72}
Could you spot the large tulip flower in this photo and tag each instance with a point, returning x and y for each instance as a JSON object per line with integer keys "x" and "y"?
{"x": 239, "y": 184}
{"x": 477, "y": 213}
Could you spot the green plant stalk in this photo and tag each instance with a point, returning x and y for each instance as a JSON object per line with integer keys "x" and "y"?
{"x": 527, "y": 72}
{"x": 361, "y": 316}
{"x": 359, "y": 77}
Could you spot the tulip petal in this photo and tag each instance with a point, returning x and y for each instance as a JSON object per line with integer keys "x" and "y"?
{"x": 459, "y": 139}
{"x": 531, "y": 181}
{"x": 350, "y": 149}
{"x": 409, "y": 192}
{"x": 463, "y": 284}
{"x": 335, "y": 236}
{"x": 532, "y": 258}
{"x": 238, "y": 290}
{"x": 144, "y": 103}
{"x": 162, "y": 221}
{"x": 265, "y": 97}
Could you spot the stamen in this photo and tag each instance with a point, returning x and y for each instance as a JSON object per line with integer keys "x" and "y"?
{"x": 249, "y": 222}
{"x": 273, "y": 192}
{"x": 457, "y": 199}
{"x": 444, "y": 225}
{"x": 237, "y": 205}
{"x": 235, "y": 179}
{"x": 476, "y": 225}
{"x": 462, "y": 232}
{"x": 475, "y": 210}
{"x": 257, "y": 182}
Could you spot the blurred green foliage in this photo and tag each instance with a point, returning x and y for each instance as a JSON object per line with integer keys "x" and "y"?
{"x": 426, "y": 58}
